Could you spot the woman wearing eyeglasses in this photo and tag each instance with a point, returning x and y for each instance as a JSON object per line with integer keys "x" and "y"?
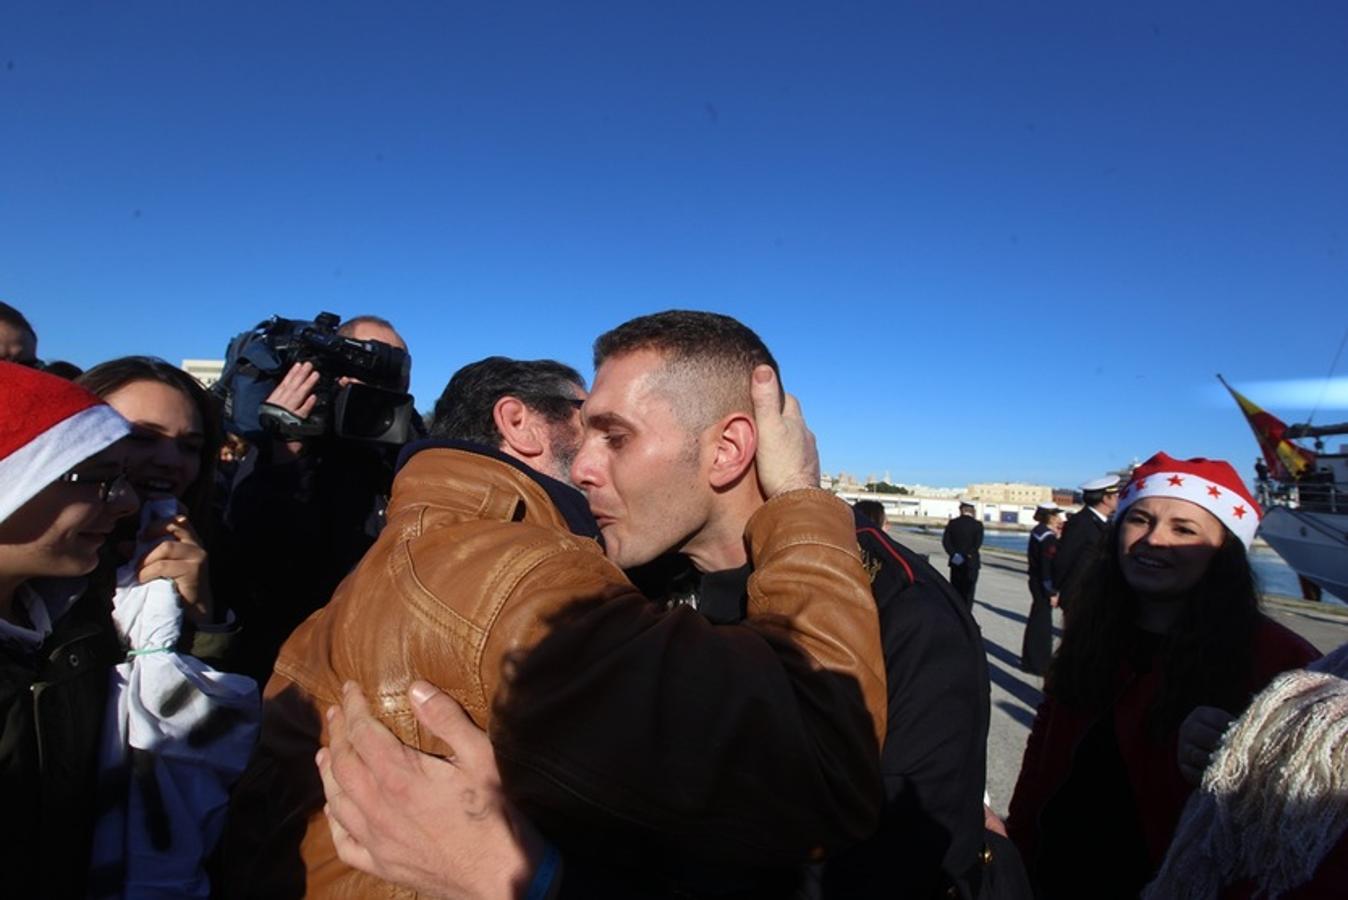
{"x": 62, "y": 490}
{"x": 116, "y": 750}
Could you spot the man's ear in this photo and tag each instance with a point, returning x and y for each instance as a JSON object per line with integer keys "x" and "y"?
{"x": 736, "y": 444}
{"x": 520, "y": 436}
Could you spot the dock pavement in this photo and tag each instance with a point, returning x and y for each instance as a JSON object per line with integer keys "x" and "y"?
{"x": 1001, "y": 605}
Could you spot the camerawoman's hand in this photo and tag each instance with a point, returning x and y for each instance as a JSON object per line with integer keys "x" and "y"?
{"x": 787, "y": 458}
{"x": 183, "y": 560}
{"x": 295, "y": 392}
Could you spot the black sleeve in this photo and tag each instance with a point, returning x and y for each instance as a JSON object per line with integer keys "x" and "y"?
{"x": 1069, "y": 549}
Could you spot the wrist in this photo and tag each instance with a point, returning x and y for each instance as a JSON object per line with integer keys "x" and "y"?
{"x": 546, "y": 874}
{"x": 534, "y": 871}
{"x": 798, "y": 482}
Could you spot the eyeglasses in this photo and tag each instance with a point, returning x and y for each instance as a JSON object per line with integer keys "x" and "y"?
{"x": 562, "y": 398}
{"x": 110, "y": 490}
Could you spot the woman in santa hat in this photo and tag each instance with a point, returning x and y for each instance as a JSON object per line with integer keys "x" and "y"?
{"x": 62, "y": 489}
{"x": 1167, "y": 621}
{"x": 116, "y": 750}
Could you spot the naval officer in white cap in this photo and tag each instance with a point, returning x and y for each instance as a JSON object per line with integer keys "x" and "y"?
{"x": 1082, "y": 534}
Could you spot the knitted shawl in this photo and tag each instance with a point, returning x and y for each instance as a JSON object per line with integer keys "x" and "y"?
{"x": 1274, "y": 799}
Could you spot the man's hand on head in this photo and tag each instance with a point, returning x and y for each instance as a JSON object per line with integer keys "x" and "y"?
{"x": 439, "y": 826}
{"x": 787, "y": 457}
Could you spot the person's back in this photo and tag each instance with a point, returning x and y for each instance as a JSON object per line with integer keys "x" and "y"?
{"x": 293, "y": 532}
{"x": 931, "y": 836}
{"x": 962, "y": 540}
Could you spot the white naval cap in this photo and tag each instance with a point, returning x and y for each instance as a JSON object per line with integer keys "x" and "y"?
{"x": 1103, "y": 483}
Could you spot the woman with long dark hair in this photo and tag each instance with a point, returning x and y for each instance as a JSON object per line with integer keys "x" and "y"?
{"x": 172, "y": 451}
{"x": 1167, "y": 620}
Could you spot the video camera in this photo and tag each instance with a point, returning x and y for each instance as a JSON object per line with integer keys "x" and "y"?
{"x": 373, "y": 406}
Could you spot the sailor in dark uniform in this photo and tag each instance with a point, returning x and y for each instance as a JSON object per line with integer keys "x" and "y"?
{"x": 1037, "y": 648}
{"x": 931, "y": 840}
{"x": 962, "y": 538}
{"x": 1081, "y": 535}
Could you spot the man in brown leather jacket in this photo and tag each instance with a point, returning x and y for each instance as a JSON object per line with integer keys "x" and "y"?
{"x": 621, "y": 728}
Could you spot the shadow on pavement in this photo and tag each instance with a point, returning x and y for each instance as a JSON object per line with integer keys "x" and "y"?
{"x": 990, "y": 563}
{"x": 1004, "y": 613}
{"x": 1001, "y": 654}
{"x": 1019, "y": 713}
{"x": 1013, "y": 616}
{"x": 1010, "y": 681}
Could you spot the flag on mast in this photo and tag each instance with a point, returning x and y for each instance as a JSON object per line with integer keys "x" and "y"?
{"x": 1286, "y": 461}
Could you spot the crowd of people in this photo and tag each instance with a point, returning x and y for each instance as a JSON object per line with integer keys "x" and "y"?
{"x": 611, "y": 641}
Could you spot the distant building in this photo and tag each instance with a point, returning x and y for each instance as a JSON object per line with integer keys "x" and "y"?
{"x": 1006, "y": 492}
{"x": 904, "y": 506}
{"x": 206, "y": 371}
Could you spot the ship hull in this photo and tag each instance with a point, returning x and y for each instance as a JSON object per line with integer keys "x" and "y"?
{"x": 1315, "y": 544}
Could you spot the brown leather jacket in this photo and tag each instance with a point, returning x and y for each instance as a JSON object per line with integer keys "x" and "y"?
{"x": 616, "y": 724}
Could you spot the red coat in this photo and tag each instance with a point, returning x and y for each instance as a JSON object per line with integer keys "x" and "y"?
{"x": 1157, "y": 787}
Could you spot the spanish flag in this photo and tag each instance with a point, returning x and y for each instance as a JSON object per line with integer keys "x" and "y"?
{"x": 1286, "y": 461}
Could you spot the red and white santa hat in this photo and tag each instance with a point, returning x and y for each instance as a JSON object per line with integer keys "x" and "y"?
{"x": 47, "y": 427}
{"x": 1209, "y": 483}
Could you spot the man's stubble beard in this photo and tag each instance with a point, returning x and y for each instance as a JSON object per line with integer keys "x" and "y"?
{"x": 564, "y": 445}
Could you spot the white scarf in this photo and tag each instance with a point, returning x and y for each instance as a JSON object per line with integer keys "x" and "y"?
{"x": 1274, "y": 799}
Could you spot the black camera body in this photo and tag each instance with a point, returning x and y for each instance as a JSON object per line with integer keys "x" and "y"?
{"x": 361, "y": 393}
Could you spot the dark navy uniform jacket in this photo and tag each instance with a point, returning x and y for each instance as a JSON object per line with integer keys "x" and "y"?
{"x": 931, "y": 832}
{"x": 931, "y": 836}
{"x": 1039, "y": 556}
{"x": 963, "y": 535}
{"x": 1080, "y": 537}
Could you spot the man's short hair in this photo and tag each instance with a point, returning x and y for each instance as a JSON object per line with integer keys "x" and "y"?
{"x": 871, "y": 509}
{"x": 464, "y": 410}
{"x": 346, "y": 328}
{"x": 1092, "y": 498}
{"x": 15, "y": 319}
{"x": 709, "y": 359}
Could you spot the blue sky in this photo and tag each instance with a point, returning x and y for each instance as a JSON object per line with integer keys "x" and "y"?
{"x": 987, "y": 241}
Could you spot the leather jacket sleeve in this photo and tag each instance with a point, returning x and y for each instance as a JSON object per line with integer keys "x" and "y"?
{"x": 754, "y": 744}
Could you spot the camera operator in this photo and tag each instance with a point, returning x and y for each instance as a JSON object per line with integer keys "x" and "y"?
{"x": 306, "y": 510}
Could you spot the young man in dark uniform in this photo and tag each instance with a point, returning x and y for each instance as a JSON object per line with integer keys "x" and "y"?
{"x": 961, "y": 540}
{"x": 1037, "y": 648}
